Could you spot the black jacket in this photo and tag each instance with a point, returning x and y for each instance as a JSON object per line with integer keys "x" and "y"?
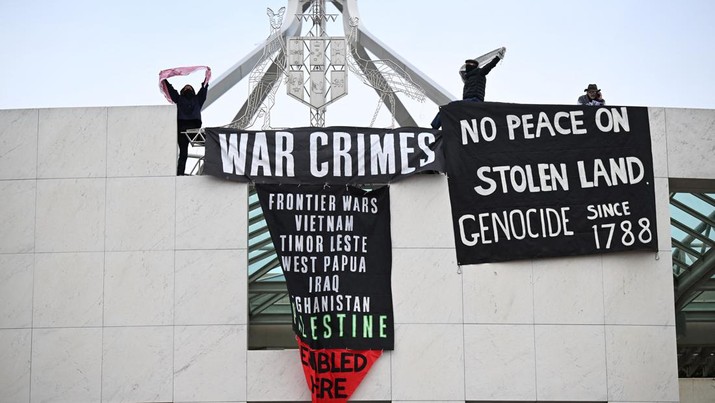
{"x": 475, "y": 80}
{"x": 188, "y": 107}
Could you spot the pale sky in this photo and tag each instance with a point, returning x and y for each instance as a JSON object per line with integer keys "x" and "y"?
{"x": 74, "y": 53}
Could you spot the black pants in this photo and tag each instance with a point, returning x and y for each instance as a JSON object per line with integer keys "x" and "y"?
{"x": 183, "y": 140}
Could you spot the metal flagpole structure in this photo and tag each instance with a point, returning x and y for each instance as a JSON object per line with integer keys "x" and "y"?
{"x": 315, "y": 67}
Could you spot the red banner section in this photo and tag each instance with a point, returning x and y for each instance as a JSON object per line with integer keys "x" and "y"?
{"x": 333, "y": 374}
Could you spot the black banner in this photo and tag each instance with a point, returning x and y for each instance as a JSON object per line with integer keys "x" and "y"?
{"x": 336, "y": 155}
{"x": 531, "y": 181}
{"x": 336, "y": 253}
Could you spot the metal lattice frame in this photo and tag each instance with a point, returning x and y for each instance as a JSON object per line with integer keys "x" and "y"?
{"x": 265, "y": 68}
{"x": 388, "y": 74}
{"x": 693, "y": 227}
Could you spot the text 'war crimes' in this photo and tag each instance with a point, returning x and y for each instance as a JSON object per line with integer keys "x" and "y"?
{"x": 339, "y": 154}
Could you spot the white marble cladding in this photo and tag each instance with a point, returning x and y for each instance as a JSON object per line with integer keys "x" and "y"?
{"x": 15, "y": 356}
{"x": 141, "y": 141}
{"x": 17, "y": 216}
{"x": 697, "y": 390}
{"x": 659, "y": 144}
{"x": 18, "y": 143}
{"x": 122, "y": 282}
{"x": 72, "y": 143}
{"x": 690, "y": 136}
{"x": 115, "y": 284}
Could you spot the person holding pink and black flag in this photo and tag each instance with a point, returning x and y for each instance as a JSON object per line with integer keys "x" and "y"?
{"x": 188, "y": 107}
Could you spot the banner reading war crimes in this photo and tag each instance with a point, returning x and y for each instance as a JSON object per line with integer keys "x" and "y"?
{"x": 336, "y": 155}
{"x": 530, "y": 181}
{"x": 336, "y": 254}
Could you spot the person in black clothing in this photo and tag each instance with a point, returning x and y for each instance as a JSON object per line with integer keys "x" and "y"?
{"x": 475, "y": 79}
{"x": 475, "y": 82}
{"x": 188, "y": 115}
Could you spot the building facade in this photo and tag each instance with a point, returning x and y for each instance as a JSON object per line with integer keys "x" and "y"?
{"x": 121, "y": 282}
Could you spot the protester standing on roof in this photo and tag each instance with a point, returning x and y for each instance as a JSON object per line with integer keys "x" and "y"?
{"x": 593, "y": 96}
{"x": 475, "y": 78}
{"x": 475, "y": 82}
{"x": 188, "y": 115}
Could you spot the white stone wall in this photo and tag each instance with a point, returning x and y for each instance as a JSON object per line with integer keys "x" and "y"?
{"x": 121, "y": 282}
{"x": 697, "y": 390}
